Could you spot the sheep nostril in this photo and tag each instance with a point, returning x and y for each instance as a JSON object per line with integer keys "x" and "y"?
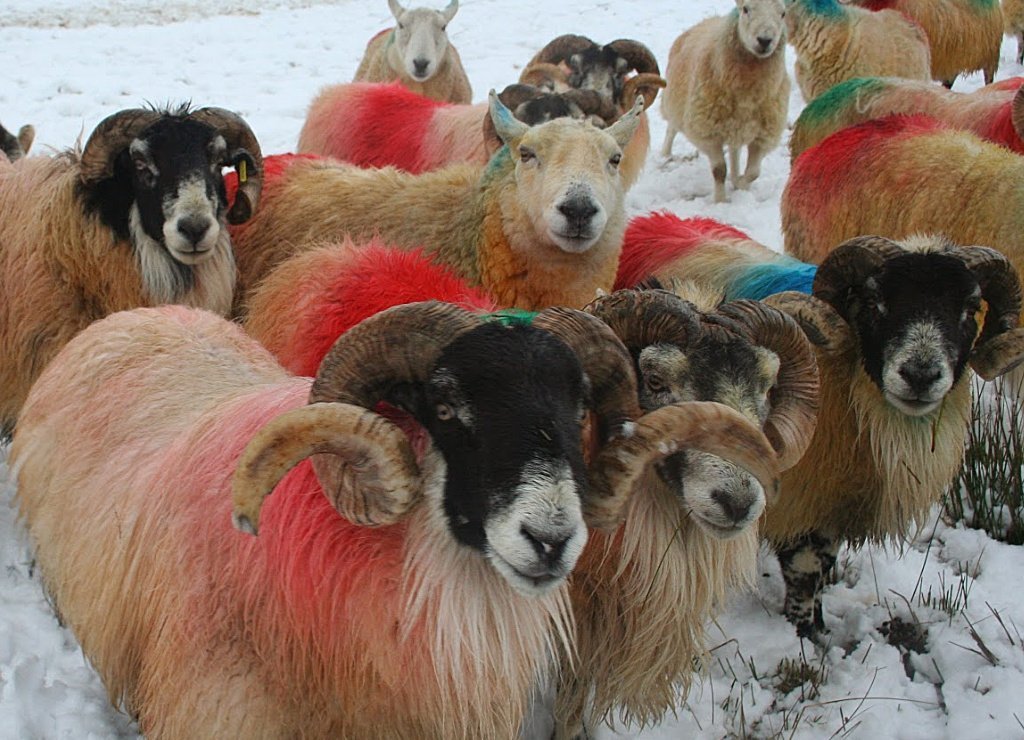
{"x": 420, "y": 65}
{"x": 737, "y": 511}
{"x": 193, "y": 229}
{"x": 763, "y": 43}
{"x": 578, "y": 211}
{"x": 920, "y": 377}
{"x": 548, "y": 546}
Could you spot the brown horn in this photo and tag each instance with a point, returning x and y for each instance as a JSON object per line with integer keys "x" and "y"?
{"x": 606, "y": 362}
{"x": 108, "y": 139}
{"x": 698, "y": 425}
{"x": 848, "y": 265}
{"x": 517, "y": 93}
{"x": 639, "y": 56}
{"x": 382, "y": 469}
{"x": 794, "y": 399}
{"x": 821, "y": 323}
{"x": 561, "y": 48}
{"x": 1000, "y": 345}
{"x": 545, "y": 75}
{"x": 645, "y": 84}
{"x": 641, "y": 318}
{"x": 243, "y": 154}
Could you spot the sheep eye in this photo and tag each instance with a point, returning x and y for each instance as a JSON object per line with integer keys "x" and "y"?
{"x": 444, "y": 412}
{"x": 526, "y": 155}
{"x": 614, "y": 161}
{"x": 746, "y": 10}
{"x": 655, "y": 384}
{"x": 401, "y": 26}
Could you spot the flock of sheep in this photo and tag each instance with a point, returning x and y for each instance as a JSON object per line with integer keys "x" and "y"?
{"x": 413, "y": 433}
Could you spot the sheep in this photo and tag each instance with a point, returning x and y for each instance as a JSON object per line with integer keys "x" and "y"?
{"x": 728, "y": 88}
{"x": 871, "y": 471}
{"x": 417, "y": 53}
{"x": 137, "y": 218}
{"x": 992, "y": 112}
{"x": 1013, "y": 24}
{"x": 836, "y": 42}
{"x": 541, "y": 225}
{"x": 418, "y": 598}
{"x": 643, "y": 594}
{"x": 963, "y": 35}
{"x": 374, "y": 125}
{"x": 706, "y": 252}
{"x": 16, "y": 147}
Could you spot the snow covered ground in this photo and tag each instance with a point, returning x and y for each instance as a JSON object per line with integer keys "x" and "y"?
{"x": 69, "y": 64}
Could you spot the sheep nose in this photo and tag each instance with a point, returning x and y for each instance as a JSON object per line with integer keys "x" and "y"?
{"x": 736, "y": 510}
{"x": 919, "y": 376}
{"x": 420, "y": 66}
{"x": 193, "y": 229}
{"x": 764, "y": 43}
{"x": 578, "y": 211}
{"x": 548, "y": 546}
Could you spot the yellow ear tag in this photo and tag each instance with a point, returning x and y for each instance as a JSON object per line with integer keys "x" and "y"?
{"x": 241, "y": 171}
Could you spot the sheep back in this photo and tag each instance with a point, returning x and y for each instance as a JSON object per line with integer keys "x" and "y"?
{"x": 380, "y": 64}
{"x": 310, "y": 300}
{"x": 376, "y": 125}
{"x": 717, "y": 91}
{"x": 837, "y": 42}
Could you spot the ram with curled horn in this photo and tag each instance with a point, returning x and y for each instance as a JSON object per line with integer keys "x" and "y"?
{"x": 689, "y": 533}
{"x": 137, "y": 218}
{"x": 895, "y": 326}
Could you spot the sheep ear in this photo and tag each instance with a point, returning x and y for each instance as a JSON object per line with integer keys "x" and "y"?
{"x": 450, "y": 10}
{"x": 622, "y": 130}
{"x": 396, "y": 8}
{"x": 509, "y": 128}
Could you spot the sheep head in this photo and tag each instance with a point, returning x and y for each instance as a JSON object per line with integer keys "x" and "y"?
{"x": 157, "y": 176}
{"x": 910, "y": 311}
{"x": 762, "y": 26}
{"x": 16, "y": 147}
{"x": 421, "y": 39}
{"x": 749, "y": 363}
{"x": 566, "y": 173}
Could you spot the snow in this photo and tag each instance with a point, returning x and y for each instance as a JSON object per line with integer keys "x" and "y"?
{"x": 70, "y": 64}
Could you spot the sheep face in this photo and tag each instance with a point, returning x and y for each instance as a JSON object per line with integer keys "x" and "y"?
{"x": 916, "y": 321}
{"x": 601, "y": 69}
{"x": 503, "y": 407}
{"x": 762, "y": 26}
{"x": 420, "y": 38}
{"x": 723, "y": 498}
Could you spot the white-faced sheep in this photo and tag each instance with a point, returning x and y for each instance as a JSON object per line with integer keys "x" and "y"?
{"x": 894, "y": 326}
{"x": 836, "y": 42}
{"x": 643, "y": 595}
{"x": 728, "y": 88}
{"x": 1013, "y": 24}
{"x": 138, "y": 218}
{"x": 541, "y": 225}
{"x": 418, "y": 54}
{"x": 374, "y": 125}
{"x": 963, "y": 35}
{"x": 994, "y": 112}
{"x": 16, "y": 147}
{"x": 388, "y": 593}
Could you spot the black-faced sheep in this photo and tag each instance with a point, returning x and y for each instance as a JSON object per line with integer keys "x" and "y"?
{"x": 728, "y": 88}
{"x": 138, "y": 218}
{"x": 394, "y": 589}
{"x": 540, "y": 226}
{"x": 418, "y": 54}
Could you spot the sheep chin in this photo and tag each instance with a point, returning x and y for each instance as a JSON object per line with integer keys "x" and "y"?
{"x": 911, "y": 406}
{"x": 572, "y": 244}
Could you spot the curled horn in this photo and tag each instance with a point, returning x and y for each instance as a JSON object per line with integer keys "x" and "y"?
{"x": 518, "y": 93}
{"x": 545, "y": 75}
{"x": 561, "y": 48}
{"x": 1000, "y": 346}
{"x": 698, "y": 425}
{"x": 108, "y": 139}
{"x": 242, "y": 147}
{"x": 848, "y": 265}
{"x": 643, "y": 317}
{"x": 646, "y": 84}
{"x": 382, "y": 471}
{"x": 821, "y": 323}
{"x": 639, "y": 56}
{"x": 794, "y": 399}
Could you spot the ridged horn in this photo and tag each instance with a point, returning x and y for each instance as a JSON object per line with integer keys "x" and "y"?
{"x": 694, "y": 425}
{"x": 646, "y": 84}
{"x": 242, "y": 146}
{"x": 639, "y": 56}
{"x": 378, "y": 463}
{"x": 1000, "y": 345}
{"x": 561, "y": 48}
{"x": 794, "y": 399}
{"x": 108, "y": 139}
{"x": 641, "y": 318}
{"x": 545, "y": 75}
{"x": 848, "y": 265}
{"x": 821, "y": 323}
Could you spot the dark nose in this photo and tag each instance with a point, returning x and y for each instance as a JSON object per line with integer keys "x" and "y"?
{"x": 549, "y": 546}
{"x": 421, "y": 66}
{"x": 763, "y": 43}
{"x": 920, "y": 376}
{"x": 193, "y": 229}
{"x": 578, "y": 211}
{"x": 735, "y": 510}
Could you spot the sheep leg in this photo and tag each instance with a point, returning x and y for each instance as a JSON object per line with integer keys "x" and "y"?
{"x": 734, "y": 166}
{"x": 670, "y": 135}
{"x": 805, "y": 565}
{"x": 755, "y": 153}
{"x": 716, "y": 154}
